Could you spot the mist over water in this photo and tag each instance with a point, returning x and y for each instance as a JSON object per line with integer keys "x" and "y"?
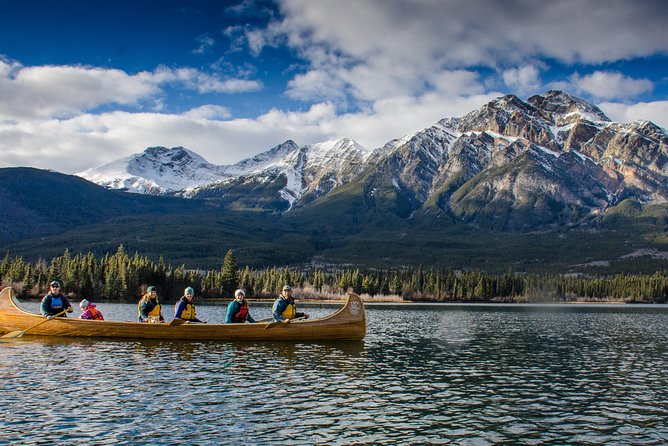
{"x": 425, "y": 374}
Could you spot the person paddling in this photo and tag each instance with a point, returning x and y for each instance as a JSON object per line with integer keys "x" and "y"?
{"x": 284, "y": 309}
{"x": 237, "y": 310}
{"x": 149, "y": 307}
{"x": 54, "y": 302}
{"x": 185, "y": 308}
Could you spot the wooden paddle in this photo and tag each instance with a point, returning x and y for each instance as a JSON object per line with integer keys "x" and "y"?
{"x": 273, "y": 324}
{"x": 19, "y": 333}
{"x": 177, "y": 322}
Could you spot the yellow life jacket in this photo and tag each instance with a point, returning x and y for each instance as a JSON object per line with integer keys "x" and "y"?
{"x": 155, "y": 312}
{"x": 188, "y": 312}
{"x": 289, "y": 312}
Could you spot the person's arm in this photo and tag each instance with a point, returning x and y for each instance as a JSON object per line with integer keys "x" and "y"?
{"x": 67, "y": 305}
{"x": 231, "y": 311}
{"x": 143, "y": 313}
{"x": 180, "y": 306}
{"x": 46, "y": 306}
{"x": 249, "y": 318}
{"x": 279, "y": 308}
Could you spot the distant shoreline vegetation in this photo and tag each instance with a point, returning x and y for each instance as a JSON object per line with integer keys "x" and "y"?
{"x": 121, "y": 277}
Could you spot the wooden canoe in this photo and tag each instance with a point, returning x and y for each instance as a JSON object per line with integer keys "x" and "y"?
{"x": 348, "y": 323}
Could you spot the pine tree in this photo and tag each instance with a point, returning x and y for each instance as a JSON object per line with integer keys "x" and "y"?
{"x": 230, "y": 274}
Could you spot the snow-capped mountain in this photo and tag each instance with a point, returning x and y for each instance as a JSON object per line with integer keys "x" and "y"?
{"x": 288, "y": 174}
{"x": 290, "y": 171}
{"x": 157, "y": 170}
{"x": 553, "y": 159}
{"x": 512, "y": 164}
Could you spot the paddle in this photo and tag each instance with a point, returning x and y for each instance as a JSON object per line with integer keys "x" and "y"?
{"x": 177, "y": 322}
{"x": 273, "y": 324}
{"x": 19, "y": 333}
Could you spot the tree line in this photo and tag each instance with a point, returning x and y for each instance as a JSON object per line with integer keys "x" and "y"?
{"x": 124, "y": 277}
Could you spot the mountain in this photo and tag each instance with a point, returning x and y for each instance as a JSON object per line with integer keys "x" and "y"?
{"x": 275, "y": 179}
{"x": 547, "y": 183}
{"x": 158, "y": 170}
{"x": 37, "y": 202}
{"x": 45, "y": 213}
{"x": 299, "y": 175}
{"x": 553, "y": 159}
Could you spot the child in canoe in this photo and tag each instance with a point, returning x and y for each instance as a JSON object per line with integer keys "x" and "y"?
{"x": 89, "y": 311}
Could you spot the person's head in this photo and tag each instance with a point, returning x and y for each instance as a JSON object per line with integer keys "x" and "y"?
{"x": 84, "y": 305}
{"x": 152, "y": 292}
{"x": 240, "y": 295}
{"x": 55, "y": 287}
{"x": 189, "y": 293}
{"x": 287, "y": 290}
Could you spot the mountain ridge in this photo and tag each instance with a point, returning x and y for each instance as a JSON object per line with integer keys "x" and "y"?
{"x": 554, "y": 155}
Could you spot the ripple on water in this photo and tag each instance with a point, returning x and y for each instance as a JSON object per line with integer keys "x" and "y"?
{"x": 424, "y": 375}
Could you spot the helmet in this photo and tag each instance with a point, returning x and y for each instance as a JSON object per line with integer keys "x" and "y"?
{"x": 189, "y": 290}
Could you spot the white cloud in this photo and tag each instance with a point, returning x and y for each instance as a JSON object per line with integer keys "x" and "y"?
{"x": 379, "y": 48}
{"x": 46, "y": 91}
{"x": 656, "y": 111}
{"x": 522, "y": 80}
{"x": 609, "y": 85}
{"x": 479, "y": 32}
{"x": 315, "y": 85}
{"x": 78, "y": 143}
{"x": 208, "y": 112}
{"x": 60, "y": 91}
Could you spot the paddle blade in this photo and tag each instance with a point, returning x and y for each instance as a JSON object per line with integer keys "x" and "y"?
{"x": 13, "y": 334}
{"x": 177, "y": 322}
{"x": 273, "y": 324}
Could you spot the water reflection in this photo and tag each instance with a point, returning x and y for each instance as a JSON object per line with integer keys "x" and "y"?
{"x": 423, "y": 375}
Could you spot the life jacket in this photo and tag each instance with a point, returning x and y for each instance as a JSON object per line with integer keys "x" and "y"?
{"x": 290, "y": 311}
{"x": 242, "y": 314}
{"x": 188, "y": 312}
{"x": 155, "y": 312}
{"x": 56, "y": 304}
{"x": 94, "y": 314}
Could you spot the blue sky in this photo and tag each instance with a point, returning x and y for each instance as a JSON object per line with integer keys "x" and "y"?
{"x": 84, "y": 83}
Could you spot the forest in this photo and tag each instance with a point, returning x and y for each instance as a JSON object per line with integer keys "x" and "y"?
{"x": 124, "y": 277}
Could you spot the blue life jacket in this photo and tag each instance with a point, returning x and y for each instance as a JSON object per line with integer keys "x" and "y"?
{"x": 56, "y": 304}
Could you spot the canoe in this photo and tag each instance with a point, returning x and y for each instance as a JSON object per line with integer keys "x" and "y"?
{"x": 348, "y": 323}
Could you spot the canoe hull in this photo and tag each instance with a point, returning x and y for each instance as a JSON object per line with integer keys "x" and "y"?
{"x": 349, "y": 323}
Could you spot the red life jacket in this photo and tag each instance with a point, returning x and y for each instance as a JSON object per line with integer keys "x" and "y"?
{"x": 96, "y": 314}
{"x": 242, "y": 314}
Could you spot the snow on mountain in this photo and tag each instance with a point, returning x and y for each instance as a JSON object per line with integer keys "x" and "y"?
{"x": 156, "y": 170}
{"x": 553, "y": 158}
{"x": 264, "y": 160}
{"x": 310, "y": 171}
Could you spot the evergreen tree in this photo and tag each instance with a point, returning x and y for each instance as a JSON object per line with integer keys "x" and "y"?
{"x": 230, "y": 274}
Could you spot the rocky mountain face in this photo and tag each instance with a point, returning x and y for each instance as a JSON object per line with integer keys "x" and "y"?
{"x": 553, "y": 159}
{"x": 516, "y": 165}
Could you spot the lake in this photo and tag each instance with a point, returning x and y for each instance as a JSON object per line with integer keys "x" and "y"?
{"x": 425, "y": 374}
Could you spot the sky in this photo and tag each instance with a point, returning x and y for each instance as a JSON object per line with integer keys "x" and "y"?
{"x": 83, "y": 83}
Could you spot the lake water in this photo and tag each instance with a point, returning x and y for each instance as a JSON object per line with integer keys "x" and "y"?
{"x": 425, "y": 374}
